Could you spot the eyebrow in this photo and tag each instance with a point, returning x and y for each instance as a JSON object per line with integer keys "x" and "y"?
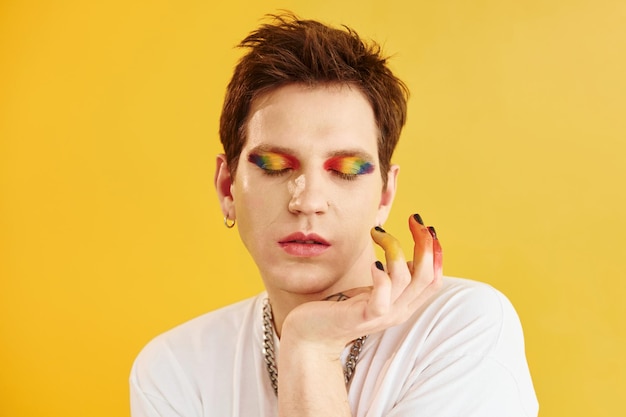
{"x": 357, "y": 153}
{"x": 270, "y": 148}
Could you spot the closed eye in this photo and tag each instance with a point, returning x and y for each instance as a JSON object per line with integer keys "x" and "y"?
{"x": 275, "y": 172}
{"x": 273, "y": 163}
{"x": 344, "y": 176}
{"x": 349, "y": 167}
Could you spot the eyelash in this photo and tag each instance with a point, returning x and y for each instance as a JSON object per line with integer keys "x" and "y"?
{"x": 339, "y": 174}
{"x": 279, "y": 172}
{"x": 275, "y": 172}
{"x": 344, "y": 176}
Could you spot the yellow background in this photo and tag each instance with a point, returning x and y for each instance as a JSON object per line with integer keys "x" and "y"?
{"x": 110, "y": 231}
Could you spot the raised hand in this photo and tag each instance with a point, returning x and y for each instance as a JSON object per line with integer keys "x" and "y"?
{"x": 397, "y": 292}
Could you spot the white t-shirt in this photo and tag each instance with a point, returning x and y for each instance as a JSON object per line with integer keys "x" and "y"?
{"x": 462, "y": 354}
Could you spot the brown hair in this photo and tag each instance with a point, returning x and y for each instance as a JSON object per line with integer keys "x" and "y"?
{"x": 289, "y": 51}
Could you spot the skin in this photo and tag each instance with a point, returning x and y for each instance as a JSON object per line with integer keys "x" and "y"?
{"x": 312, "y": 127}
{"x": 297, "y": 187}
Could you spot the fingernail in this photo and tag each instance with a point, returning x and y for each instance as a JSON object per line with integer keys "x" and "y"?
{"x": 418, "y": 219}
{"x": 432, "y": 231}
{"x": 380, "y": 229}
{"x": 380, "y": 266}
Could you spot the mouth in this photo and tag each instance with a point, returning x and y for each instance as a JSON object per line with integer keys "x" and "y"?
{"x": 304, "y": 245}
{"x": 309, "y": 239}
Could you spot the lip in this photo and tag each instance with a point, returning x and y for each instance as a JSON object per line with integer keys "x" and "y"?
{"x": 304, "y": 245}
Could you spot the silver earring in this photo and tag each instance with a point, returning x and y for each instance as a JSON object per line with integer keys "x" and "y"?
{"x": 229, "y": 223}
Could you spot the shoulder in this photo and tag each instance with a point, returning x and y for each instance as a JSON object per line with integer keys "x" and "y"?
{"x": 477, "y": 313}
{"x": 198, "y": 339}
{"x": 473, "y": 298}
{"x": 465, "y": 343}
{"x": 466, "y": 317}
{"x": 190, "y": 366}
{"x": 469, "y": 292}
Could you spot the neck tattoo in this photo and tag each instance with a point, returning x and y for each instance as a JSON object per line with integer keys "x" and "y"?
{"x": 270, "y": 355}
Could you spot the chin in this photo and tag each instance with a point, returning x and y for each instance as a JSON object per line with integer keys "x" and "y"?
{"x": 300, "y": 280}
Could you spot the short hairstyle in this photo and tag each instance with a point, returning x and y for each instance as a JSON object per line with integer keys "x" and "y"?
{"x": 293, "y": 51}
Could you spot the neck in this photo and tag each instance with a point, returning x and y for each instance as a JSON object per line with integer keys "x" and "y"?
{"x": 282, "y": 305}
{"x": 283, "y": 301}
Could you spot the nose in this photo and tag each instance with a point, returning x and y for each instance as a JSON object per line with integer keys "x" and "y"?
{"x": 308, "y": 195}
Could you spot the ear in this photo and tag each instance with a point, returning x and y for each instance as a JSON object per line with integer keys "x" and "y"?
{"x": 388, "y": 195}
{"x": 223, "y": 185}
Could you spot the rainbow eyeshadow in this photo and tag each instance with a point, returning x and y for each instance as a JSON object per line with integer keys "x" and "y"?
{"x": 273, "y": 161}
{"x": 349, "y": 165}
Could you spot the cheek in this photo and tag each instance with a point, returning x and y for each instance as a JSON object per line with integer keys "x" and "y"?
{"x": 360, "y": 210}
{"x": 257, "y": 203}
{"x": 361, "y": 200}
{"x": 251, "y": 209}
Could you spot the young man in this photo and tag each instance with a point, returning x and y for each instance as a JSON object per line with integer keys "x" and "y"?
{"x": 310, "y": 121}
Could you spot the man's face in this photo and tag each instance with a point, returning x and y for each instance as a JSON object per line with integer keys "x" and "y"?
{"x": 308, "y": 189}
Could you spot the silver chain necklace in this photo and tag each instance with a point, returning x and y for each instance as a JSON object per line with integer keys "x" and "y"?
{"x": 270, "y": 355}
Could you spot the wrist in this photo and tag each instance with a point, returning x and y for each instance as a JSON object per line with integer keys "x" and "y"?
{"x": 305, "y": 343}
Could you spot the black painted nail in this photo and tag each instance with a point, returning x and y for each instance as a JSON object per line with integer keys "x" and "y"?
{"x": 380, "y": 229}
{"x": 432, "y": 231}
{"x": 380, "y": 266}
{"x": 418, "y": 219}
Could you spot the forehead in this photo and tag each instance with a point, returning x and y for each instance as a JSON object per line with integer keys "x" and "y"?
{"x": 329, "y": 117}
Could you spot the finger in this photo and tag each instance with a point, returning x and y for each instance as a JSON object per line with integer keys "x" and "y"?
{"x": 437, "y": 255}
{"x": 423, "y": 241}
{"x": 437, "y": 260}
{"x": 380, "y": 299}
{"x": 394, "y": 257}
{"x": 437, "y": 263}
{"x": 428, "y": 273}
